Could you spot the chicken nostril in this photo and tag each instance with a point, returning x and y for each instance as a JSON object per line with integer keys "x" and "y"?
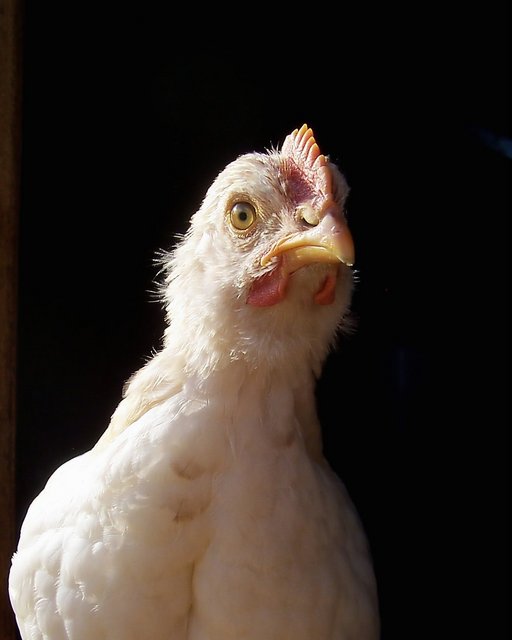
{"x": 309, "y": 216}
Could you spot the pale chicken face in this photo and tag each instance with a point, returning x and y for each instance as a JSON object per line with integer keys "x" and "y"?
{"x": 269, "y": 252}
{"x": 279, "y": 213}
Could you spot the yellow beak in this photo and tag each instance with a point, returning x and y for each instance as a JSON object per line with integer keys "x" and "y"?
{"x": 330, "y": 241}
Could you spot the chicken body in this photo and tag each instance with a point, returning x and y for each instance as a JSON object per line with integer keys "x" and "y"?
{"x": 207, "y": 510}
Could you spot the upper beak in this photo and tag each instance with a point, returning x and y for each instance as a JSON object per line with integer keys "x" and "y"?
{"x": 329, "y": 241}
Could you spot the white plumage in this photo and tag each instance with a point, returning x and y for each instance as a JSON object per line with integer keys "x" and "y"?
{"x": 207, "y": 511}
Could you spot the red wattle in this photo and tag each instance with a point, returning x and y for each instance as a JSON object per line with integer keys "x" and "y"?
{"x": 327, "y": 292}
{"x": 269, "y": 289}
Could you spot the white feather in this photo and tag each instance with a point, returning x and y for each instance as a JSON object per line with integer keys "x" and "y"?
{"x": 207, "y": 511}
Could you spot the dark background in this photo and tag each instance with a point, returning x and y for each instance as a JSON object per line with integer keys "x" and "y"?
{"x": 128, "y": 116}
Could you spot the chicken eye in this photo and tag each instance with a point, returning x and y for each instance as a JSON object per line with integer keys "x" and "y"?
{"x": 242, "y": 215}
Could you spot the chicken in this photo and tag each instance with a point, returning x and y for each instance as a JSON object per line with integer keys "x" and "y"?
{"x": 207, "y": 510}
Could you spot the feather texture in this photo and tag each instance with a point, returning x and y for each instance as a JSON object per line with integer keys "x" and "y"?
{"x": 207, "y": 511}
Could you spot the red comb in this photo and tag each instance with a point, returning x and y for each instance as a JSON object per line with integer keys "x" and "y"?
{"x": 302, "y": 148}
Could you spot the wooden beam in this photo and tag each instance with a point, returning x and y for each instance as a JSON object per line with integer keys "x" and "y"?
{"x": 10, "y": 133}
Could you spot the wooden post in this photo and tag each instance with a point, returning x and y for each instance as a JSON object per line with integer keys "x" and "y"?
{"x": 10, "y": 133}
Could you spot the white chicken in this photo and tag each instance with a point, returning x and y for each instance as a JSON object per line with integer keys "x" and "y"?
{"x": 207, "y": 511}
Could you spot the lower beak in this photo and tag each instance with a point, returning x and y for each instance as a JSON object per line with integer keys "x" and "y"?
{"x": 330, "y": 241}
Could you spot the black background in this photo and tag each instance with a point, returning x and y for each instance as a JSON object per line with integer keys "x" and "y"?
{"x": 129, "y": 114}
